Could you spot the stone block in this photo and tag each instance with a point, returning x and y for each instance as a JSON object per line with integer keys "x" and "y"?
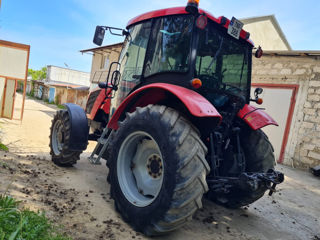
{"x": 314, "y": 83}
{"x": 308, "y": 146}
{"x": 286, "y": 71}
{"x": 317, "y": 105}
{"x": 299, "y": 71}
{"x": 278, "y": 65}
{"x": 308, "y": 105}
{"x": 315, "y": 119}
{"x": 309, "y": 111}
{"x": 314, "y": 97}
{"x": 303, "y": 152}
{"x": 307, "y": 160}
{"x": 314, "y": 155}
{"x": 311, "y": 90}
{"x": 316, "y": 142}
{"x": 316, "y": 69}
{"x": 308, "y": 125}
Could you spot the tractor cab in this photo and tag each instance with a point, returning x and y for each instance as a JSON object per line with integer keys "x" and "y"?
{"x": 191, "y": 49}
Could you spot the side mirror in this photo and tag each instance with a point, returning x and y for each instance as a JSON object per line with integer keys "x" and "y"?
{"x": 258, "y": 91}
{"x": 259, "y": 52}
{"x": 99, "y": 35}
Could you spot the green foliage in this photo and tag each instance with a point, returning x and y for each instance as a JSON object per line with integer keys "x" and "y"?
{"x": 61, "y": 106}
{"x": 3, "y": 148}
{"x": 38, "y": 74}
{"x": 56, "y": 100}
{"x": 24, "y": 224}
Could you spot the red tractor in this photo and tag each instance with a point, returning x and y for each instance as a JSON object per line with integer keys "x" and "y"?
{"x": 173, "y": 120}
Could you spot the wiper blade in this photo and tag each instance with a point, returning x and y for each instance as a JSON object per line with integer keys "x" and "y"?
{"x": 216, "y": 55}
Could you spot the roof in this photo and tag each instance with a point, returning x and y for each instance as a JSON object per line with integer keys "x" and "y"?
{"x": 72, "y": 86}
{"x": 102, "y": 47}
{"x": 275, "y": 23}
{"x": 13, "y": 44}
{"x": 296, "y": 53}
{"x": 70, "y": 69}
{"x": 181, "y": 10}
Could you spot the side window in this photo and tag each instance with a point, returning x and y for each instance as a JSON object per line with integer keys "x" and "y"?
{"x": 132, "y": 58}
{"x": 105, "y": 62}
{"x": 133, "y": 54}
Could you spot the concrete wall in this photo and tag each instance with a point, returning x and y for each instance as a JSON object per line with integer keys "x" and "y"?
{"x": 66, "y": 75}
{"x": 264, "y": 33}
{"x": 64, "y": 95}
{"x": 13, "y": 62}
{"x": 303, "y": 147}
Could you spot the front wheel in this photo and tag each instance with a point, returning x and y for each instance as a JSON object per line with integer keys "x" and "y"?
{"x": 157, "y": 169}
{"x": 59, "y": 141}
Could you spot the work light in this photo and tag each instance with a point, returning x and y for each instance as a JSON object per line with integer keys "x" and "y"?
{"x": 192, "y": 6}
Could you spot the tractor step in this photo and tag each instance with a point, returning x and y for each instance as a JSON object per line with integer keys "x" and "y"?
{"x": 100, "y": 147}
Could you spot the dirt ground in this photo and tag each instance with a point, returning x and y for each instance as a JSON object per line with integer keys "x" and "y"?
{"x": 78, "y": 197}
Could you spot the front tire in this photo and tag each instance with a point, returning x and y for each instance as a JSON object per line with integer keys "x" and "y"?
{"x": 157, "y": 169}
{"x": 59, "y": 140}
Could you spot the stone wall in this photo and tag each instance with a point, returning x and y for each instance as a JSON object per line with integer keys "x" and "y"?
{"x": 303, "y": 147}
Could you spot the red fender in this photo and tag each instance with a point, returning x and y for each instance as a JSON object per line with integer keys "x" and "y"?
{"x": 100, "y": 102}
{"x": 255, "y": 117}
{"x": 197, "y": 105}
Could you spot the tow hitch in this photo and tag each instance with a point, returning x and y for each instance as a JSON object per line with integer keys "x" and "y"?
{"x": 247, "y": 182}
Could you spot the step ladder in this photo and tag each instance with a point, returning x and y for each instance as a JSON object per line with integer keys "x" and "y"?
{"x": 102, "y": 141}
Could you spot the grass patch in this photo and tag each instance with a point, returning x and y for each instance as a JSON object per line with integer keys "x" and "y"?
{"x": 3, "y": 148}
{"x": 16, "y": 223}
{"x": 61, "y": 106}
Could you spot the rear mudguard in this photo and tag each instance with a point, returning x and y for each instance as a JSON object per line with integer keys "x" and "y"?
{"x": 79, "y": 128}
{"x": 197, "y": 105}
{"x": 256, "y": 118}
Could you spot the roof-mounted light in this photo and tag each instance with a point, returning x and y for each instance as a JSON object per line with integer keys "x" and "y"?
{"x": 192, "y": 6}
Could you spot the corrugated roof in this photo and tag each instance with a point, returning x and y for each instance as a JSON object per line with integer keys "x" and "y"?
{"x": 292, "y": 53}
{"x": 102, "y": 48}
{"x": 72, "y": 86}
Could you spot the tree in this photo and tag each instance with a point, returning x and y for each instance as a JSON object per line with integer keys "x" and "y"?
{"x": 38, "y": 74}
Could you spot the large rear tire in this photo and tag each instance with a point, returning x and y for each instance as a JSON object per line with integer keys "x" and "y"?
{"x": 157, "y": 169}
{"x": 59, "y": 141}
{"x": 259, "y": 157}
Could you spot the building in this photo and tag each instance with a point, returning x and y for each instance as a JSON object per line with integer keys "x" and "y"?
{"x": 265, "y": 31}
{"x": 102, "y": 58}
{"x": 64, "y": 85}
{"x": 291, "y": 83}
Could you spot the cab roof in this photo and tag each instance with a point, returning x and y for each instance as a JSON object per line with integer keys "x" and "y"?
{"x": 181, "y": 10}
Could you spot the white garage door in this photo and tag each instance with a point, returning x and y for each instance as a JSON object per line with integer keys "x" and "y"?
{"x": 277, "y": 102}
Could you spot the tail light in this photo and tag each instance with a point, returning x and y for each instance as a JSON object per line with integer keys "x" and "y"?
{"x": 196, "y": 83}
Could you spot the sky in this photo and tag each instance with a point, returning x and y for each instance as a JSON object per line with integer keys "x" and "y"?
{"x": 57, "y": 30}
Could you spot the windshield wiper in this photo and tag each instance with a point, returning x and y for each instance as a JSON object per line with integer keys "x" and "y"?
{"x": 215, "y": 56}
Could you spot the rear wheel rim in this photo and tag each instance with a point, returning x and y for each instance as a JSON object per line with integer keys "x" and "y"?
{"x": 140, "y": 169}
{"x": 57, "y": 137}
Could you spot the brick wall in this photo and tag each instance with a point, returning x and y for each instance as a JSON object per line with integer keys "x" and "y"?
{"x": 303, "y": 147}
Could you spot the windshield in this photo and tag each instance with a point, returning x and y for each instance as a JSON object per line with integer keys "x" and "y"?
{"x": 222, "y": 61}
